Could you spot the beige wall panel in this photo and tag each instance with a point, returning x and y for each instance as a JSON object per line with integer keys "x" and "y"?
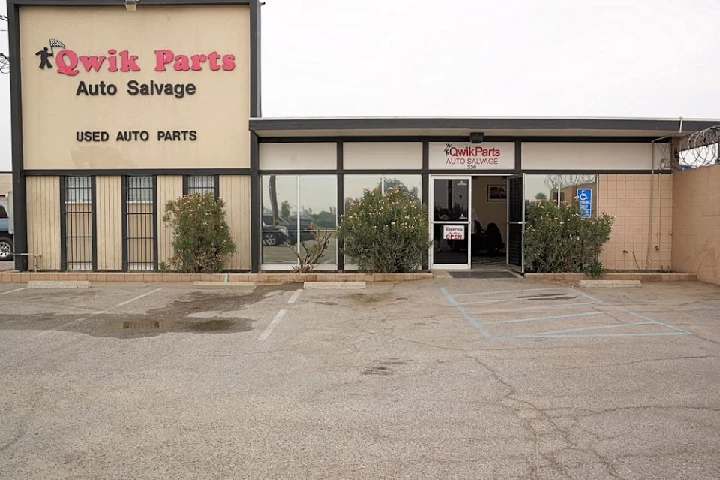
{"x": 290, "y": 156}
{"x": 43, "y": 227}
{"x": 696, "y": 223}
{"x": 5, "y": 183}
{"x": 169, "y": 187}
{"x": 591, "y": 156}
{"x": 218, "y": 111}
{"x": 382, "y": 156}
{"x": 109, "y": 222}
{"x": 235, "y": 192}
{"x": 641, "y": 237}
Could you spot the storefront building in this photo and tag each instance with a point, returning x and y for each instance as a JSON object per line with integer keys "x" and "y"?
{"x": 117, "y": 110}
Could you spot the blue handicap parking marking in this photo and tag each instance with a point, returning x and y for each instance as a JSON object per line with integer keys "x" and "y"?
{"x": 477, "y": 307}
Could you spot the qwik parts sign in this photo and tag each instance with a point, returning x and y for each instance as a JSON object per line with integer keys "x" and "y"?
{"x": 137, "y": 83}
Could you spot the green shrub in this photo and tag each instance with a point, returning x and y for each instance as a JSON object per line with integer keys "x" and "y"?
{"x": 559, "y": 240}
{"x": 201, "y": 237}
{"x": 386, "y": 233}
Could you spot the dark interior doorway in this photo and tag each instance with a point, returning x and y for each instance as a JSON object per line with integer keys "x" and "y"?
{"x": 489, "y": 222}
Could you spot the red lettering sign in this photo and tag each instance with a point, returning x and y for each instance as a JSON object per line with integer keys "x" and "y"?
{"x": 68, "y": 62}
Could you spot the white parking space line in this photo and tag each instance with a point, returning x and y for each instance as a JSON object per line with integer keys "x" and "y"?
{"x": 272, "y": 325}
{"x": 12, "y": 291}
{"x": 135, "y": 298}
{"x": 295, "y": 296}
{"x": 100, "y": 312}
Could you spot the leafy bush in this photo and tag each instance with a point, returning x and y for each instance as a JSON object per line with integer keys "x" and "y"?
{"x": 386, "y": 232}
{"x": 559, "y": 240}
{"x": 201, "y": 237}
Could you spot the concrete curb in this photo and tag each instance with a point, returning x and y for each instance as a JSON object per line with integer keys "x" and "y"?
{"x": 639, "y": 276}
{"x": 57, "y": 284}
{"x": 215, "y": 278}
{"x": 334, "y": 285}
{"x": 225, "y": 284}
{"x": 609, "y": 283}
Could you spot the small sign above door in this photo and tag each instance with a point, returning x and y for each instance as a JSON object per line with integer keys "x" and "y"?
{"x": 454, "y": 232}
{"x": 471, "y": 156}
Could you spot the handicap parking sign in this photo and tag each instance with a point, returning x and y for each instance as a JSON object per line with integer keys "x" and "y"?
{"x": 585, "y": 198}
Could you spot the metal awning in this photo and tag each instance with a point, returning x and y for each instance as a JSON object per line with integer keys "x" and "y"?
{"x": 491, "y": 127}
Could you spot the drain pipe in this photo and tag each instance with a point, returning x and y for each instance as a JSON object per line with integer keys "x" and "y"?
{"x": 652, "y": 197}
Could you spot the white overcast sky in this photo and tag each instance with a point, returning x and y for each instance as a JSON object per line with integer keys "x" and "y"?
{"x": 639, "y": 58}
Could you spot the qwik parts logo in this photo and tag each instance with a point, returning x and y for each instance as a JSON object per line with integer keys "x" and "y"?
{"x": 471, "y": 155}
{"x": 46, "y": 53}
{"x": 66, "y": 61}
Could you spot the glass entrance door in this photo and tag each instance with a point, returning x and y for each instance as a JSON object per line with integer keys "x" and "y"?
{"x": 516, "y": 222}
{"x": 450, "y": 223}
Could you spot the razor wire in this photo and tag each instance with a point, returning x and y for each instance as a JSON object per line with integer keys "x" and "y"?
{"x": 699, "y": 149}
{"x": 4, "y": 60}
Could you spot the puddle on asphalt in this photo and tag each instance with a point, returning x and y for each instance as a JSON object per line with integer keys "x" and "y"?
{"x": 199, "y": 312}
{"x": 167, "y": 326}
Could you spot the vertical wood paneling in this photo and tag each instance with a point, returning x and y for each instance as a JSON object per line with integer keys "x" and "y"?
{"x": 43, "y": 228}
{"x": 169, "y": 187}
{"x": 235, "y": 192}
{"x": 109, "y": 223}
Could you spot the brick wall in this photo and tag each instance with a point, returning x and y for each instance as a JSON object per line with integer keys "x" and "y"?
{"x": 637, "y": 221}
{"x": 696, "y": 220}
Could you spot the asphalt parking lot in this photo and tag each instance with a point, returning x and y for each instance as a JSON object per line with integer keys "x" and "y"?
{"x": 447, "y": 378}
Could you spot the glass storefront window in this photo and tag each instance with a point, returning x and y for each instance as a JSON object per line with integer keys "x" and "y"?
{"x": 296, "y": 209}
{"x": 318, "y": 214}
{"x": 280, "y": 200}
{"x": 563, "y": 188}
{"x": 355, "y": 186}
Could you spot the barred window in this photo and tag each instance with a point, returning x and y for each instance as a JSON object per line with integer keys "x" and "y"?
{"x": 139, "y": 224}
{"x": 78, "y": 190}
{"x": 77, "y": 229}
{"x": 140, "y": 189}
{"x": 201, "y": 184}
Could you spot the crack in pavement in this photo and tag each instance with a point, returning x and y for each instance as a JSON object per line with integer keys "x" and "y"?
{"x": 551, "y": 456}
{"x": 635, "y": 362}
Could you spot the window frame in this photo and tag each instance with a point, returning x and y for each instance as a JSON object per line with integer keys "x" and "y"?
{"x": 188, "y": 190}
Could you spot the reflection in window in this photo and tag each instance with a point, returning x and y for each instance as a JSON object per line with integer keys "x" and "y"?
{"x": 561, "y": 189}
{"x": 318, "y": 214}
{"x": 295, "y": 209}
{"x": 355, "y": 186}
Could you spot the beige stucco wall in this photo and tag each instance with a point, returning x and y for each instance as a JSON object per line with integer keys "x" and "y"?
{"x": 696, "y": 222}
{"x": 43, "y": 228}
{"x": 638, "y": 220}
{"x": 53, "y": 112}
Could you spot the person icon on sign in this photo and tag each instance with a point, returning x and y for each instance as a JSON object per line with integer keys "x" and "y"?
{"x": 44, "y": 54}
